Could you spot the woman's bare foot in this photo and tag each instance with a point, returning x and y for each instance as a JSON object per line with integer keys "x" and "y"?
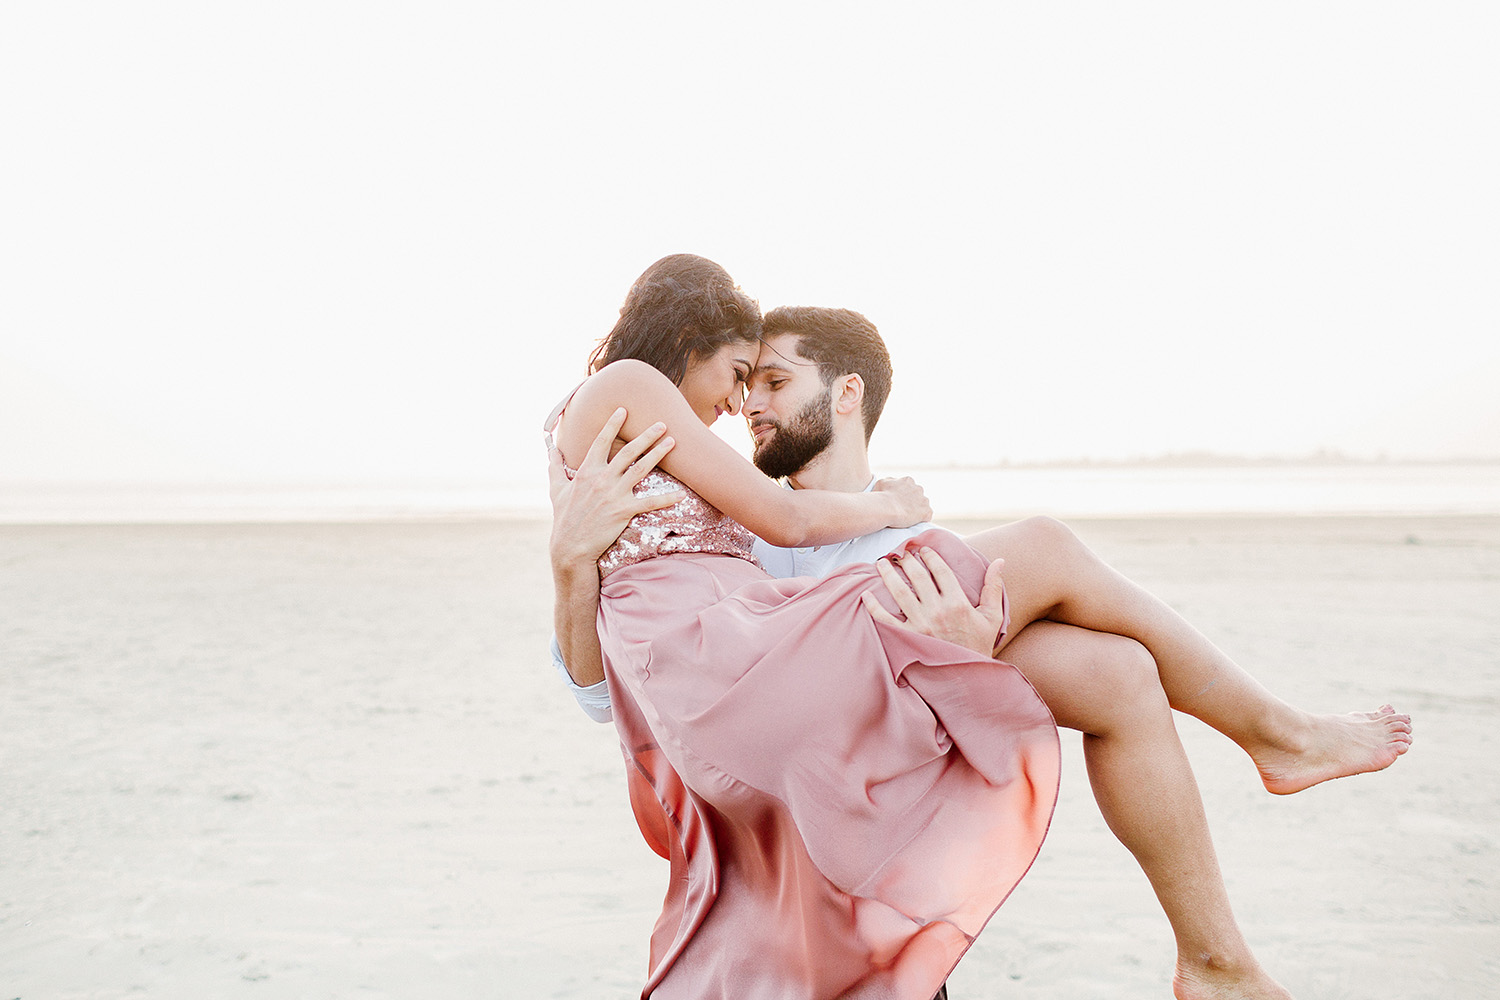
{"x": 1212, "y": 979}
{"x": 1334, "y": 746}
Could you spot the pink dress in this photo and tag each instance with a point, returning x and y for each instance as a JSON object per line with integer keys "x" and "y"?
{"x": 844, "y": 804}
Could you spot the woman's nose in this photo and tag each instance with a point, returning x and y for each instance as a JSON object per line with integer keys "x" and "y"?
{"x": 736, "y": 401}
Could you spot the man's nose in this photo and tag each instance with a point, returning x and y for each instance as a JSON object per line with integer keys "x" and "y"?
{"x": 755, "y": 403}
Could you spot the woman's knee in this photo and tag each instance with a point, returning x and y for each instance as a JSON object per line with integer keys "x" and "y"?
{"x": 1128, "y": 670}
{"x": 1053, "y": 538}
{"x": 1096, "y": 682}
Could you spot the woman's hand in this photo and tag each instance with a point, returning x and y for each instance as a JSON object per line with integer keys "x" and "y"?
{"x": 911, "y": 501}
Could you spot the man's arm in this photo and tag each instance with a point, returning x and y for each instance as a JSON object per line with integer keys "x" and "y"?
{"x": 934, "y": 603}
{"x": 588, "y": 514}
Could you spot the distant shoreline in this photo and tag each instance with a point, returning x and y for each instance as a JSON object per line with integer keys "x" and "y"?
{"x": 1205, "y": 460}
{"x": 1169, "y": 486}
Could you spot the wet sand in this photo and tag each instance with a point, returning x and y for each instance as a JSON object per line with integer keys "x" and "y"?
{"x": 331, "y": 760}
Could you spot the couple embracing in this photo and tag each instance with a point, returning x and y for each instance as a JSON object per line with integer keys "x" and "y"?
{"x": 839, "y": 721}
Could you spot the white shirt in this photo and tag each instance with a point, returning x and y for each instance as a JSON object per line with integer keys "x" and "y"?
{"x": 810, "y": 560}
{"x": 820, "y": 560}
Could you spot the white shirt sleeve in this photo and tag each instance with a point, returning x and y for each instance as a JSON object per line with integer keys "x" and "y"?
{"x": 594, "y": 699}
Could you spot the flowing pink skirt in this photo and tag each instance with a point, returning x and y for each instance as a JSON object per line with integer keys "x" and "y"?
{"x": 844, "y": 805}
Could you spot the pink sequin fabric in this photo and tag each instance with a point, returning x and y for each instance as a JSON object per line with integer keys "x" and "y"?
{"x": 690, "y": 525}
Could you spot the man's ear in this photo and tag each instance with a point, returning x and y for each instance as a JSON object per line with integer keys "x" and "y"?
{"x": 849, "y": 396}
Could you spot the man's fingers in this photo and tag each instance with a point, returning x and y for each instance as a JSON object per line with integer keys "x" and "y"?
{"x": 899, "y": 591}
{"x": 914, "y": 564}
{"x": 876, "y": 611}
{"x": 992, "y": 600}
{"x": 642, "y": 466}
{"x": 992, "y": 594}
{"x": 942, "y": 574}
{"x": 906, "y": 600}
{"x": 636, "y": 446}
{"x": 599, "y": 451}
{"x": 656, "y": 501}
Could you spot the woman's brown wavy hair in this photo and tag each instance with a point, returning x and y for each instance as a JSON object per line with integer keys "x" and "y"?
{"x": 681, "y": 306}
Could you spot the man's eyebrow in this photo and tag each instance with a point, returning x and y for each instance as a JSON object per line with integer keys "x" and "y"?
{"x": 783, "y": 357}
{"x": 770, "y": 366}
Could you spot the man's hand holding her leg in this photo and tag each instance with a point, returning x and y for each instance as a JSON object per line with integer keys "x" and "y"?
{"x": 934, "y": 603}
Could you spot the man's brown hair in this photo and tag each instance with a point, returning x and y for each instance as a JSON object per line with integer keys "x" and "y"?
{"x": 840, "y": 342}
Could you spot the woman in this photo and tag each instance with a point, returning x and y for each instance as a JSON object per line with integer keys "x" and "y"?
{"x": 844, "y": 804}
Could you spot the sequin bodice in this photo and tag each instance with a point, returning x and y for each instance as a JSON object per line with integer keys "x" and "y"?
{"x": 691, "y": 524}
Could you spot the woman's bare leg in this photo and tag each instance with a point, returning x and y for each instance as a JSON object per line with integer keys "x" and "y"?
{"x": 1106, "y": 686}
{"x": 1051, "y": 575}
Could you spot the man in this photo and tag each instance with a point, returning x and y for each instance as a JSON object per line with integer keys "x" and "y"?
{"x": 813, "y": 401}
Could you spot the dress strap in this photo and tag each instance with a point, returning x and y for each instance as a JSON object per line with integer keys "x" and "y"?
{"x": 550, "y": 424}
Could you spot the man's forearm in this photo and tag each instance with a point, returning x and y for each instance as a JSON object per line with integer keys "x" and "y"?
{"x": 575, "y": 608}
{"x": 589, "y": 510}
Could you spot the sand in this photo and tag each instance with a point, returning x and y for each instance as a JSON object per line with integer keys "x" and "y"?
{"x": 332, "y": 761}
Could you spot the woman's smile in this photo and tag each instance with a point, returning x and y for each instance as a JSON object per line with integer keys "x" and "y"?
{"x": 715, "y": 385}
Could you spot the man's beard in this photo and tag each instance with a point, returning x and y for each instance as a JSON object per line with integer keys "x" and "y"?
{"x": 798, "y": 440}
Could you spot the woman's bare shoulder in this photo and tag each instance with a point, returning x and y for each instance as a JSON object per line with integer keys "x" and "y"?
{"x": 623, "y": 377}
{"x": 632, "y": 384}
{"x": 625, "y": 383}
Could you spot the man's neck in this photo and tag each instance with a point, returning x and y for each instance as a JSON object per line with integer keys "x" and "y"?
{"x": 842, "y": 469}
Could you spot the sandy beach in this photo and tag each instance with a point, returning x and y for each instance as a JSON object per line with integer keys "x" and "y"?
{"x": 332, "y": 760}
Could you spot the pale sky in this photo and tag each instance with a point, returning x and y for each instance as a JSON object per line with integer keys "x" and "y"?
{"x": 360, "y": 241}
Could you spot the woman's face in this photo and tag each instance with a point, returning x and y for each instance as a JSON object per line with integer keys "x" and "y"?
{"x": 715, "y": 383}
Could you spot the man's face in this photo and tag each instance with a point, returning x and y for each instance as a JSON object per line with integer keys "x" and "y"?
{"x": 788, "y": 408}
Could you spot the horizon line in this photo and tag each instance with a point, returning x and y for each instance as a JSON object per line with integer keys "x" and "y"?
{"x": 1187, "y": 459}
